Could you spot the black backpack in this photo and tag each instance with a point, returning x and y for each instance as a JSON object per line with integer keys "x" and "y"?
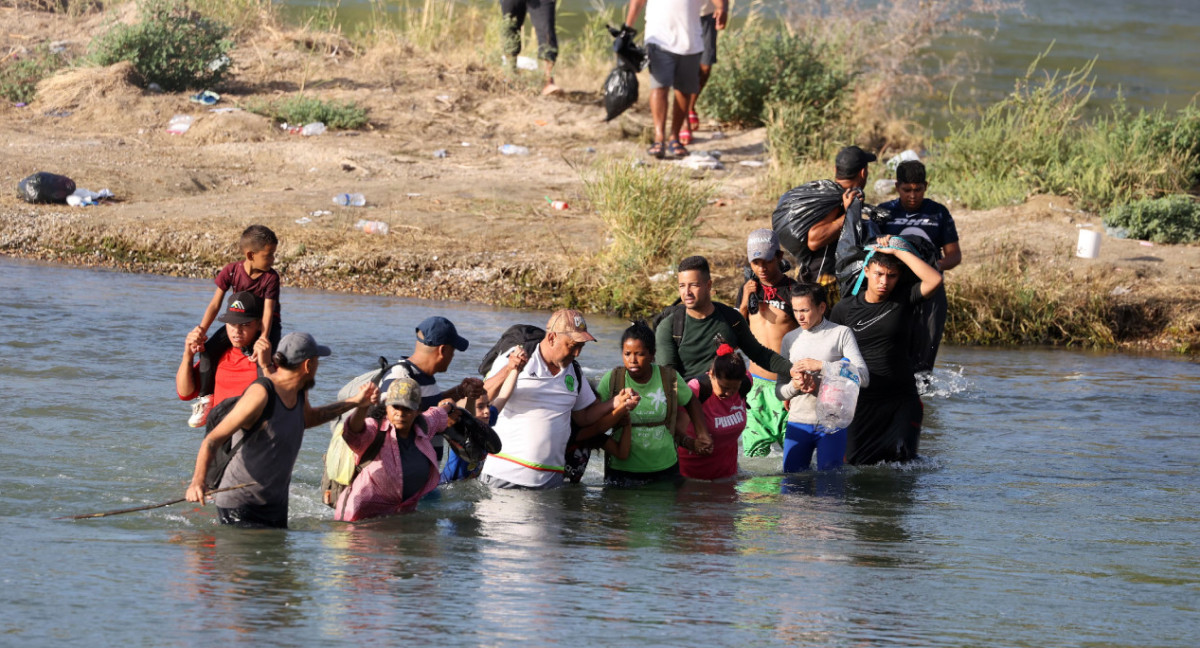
{"x": 728, "y": 314}
{"x": 224, "y": 454}
{"x": 526, "y": 336}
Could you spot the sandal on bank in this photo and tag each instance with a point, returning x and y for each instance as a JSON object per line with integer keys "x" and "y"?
{"x": 685, "y": 136}
{"x": 676, "y": 150}
{"x": 655, "y": 150}
{"x": 693, "y": 121}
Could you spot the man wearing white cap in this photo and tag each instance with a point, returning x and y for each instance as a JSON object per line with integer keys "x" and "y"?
{"x": 550, "y": 393}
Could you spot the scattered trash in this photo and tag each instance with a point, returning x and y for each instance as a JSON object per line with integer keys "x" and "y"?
{"x": 303, "y": 221}
{"x": 350, "y": 200}
{"x": 180, "y": 124}
{"x": 224, "y": 110}
{"x": 885, "y": 186}
{"x": 540, "y": 122}
{"x": 1120, "y": 290}
{"x": 638, "y": 163}
{"x": 154, "y": 87}
{"x": 717, "y": 135}
{"x": 513, "y": 149}
{"x": 372, "y": 226}
{"x": 466, "y": 143}
{"x": 58, "y": 47}
{"x": 908, "y": 155}
{"x": 315, "y": 128}
{"x": 219, "y": 63}
{"x": 84, "y": 197}
{"x": 702, "y": 161}
{"x": 208, "y": 98}
{"x": 43, "y": 187}
{"x": 444, "y": 98}
{"x": 57, "y": 113}
{"x": 20, "y": 105}
{"x": 1116, "y": 232}
{"x": 589, "y": 149}
{"x": 557, "y": 204}
{"x": 440, "y": 153}
{"x": 413, "y": 195}
{"x": 752, "y": 163}
{"x": 1145, "y": 244}
{"x": 321, "y": 212}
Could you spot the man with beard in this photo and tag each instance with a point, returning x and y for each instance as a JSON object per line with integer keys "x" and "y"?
{"x": 271, "y": 417}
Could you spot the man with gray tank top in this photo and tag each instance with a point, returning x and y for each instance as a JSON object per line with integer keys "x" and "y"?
{"x": 268, "y": 455}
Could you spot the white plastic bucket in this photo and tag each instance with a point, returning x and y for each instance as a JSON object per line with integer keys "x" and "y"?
{"x": 1089, "y": 244}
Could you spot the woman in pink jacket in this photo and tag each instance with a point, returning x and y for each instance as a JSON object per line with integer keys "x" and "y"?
{"x": 406, "y": 466}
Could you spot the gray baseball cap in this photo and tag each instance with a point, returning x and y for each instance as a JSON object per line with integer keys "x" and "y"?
{"x": 762, "y": 244}
{"x": 298, "y": 347}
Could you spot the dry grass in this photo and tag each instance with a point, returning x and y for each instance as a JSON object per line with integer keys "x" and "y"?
{"x": 78, "y": 88}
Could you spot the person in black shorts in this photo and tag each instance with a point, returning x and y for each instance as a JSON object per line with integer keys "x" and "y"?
{"x": 887, "y": 419}
{"x": 542, "y": 14}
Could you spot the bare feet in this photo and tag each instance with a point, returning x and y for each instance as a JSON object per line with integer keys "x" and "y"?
{"x": 551, "y": 89}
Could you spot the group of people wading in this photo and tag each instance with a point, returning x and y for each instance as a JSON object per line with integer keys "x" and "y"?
{"x": 684, "y": 404}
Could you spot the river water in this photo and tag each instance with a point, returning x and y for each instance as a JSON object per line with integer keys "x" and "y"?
{"x": 1058, "y": 504}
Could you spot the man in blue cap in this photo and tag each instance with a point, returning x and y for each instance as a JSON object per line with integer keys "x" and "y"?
{"x": 437, "y": 341}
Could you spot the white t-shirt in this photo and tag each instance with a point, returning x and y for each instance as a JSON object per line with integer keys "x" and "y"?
{"x": 535, "y": 424}
{"x": 708, "y": 7}
{"x": 674, "y": 25}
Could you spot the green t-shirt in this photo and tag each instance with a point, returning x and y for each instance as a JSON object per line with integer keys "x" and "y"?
{"x": 697, "y": 349}
{"x": 652, "y": 447}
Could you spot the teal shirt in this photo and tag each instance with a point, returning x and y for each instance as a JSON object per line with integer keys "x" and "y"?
{"x": 697, "y": 349}
{"x": 652, "y": 447}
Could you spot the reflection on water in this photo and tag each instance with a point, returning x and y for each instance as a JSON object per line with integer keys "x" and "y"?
{"x": 1058, "y": 504}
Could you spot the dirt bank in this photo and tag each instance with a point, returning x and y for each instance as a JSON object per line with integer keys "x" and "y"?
{"x": 473, "y": 225}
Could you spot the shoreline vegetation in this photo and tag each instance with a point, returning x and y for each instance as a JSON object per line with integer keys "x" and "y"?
{"x": 1021, "y": 176}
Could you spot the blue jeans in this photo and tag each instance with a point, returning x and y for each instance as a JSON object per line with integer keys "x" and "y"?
{"x": 799, "y": 442}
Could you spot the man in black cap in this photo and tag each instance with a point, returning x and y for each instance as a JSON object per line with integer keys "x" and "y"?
{"x": 274, "y": 412}
{"x": 234, "y": 368}
{"x": 851, "y": 176}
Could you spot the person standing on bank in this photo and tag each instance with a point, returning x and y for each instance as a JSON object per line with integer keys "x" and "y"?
{"x": 542, "y": 14}
{"x": 268, "y": 455}
{"x": 674, "y": 44}
{"x": 708, "y": 58}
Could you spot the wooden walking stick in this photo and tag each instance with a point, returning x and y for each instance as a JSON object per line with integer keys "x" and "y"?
{"x": 86, "y": 516}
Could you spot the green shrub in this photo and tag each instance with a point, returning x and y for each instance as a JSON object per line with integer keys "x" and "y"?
{"x": 1036, "y": 141}
{"x": 763, "y": 66}
{"x": 1174, "y": 219}
{"x": 170, "y": 45}
{"x": 651, "y": 214}
{"x": 802, "y": 140}
{"x": 19, "y": 76}
{"x": 300, "y": 109}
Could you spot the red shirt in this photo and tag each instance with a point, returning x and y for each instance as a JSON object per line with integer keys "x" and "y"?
{"x": 726, "y": 418}
{"x": 235, "y": 372}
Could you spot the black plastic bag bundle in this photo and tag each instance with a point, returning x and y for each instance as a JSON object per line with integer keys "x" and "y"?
{"x": 621, "y": 86}
{"x": 620, "y": 92}
{"x": 857, "y": 233}
{"x": 472, "y": 439}
{"x": 801, "y": 208}
{"x": 43, "y": 187}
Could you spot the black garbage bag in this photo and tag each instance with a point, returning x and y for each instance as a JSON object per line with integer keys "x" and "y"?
{"x": 621, "y": 86}
{"x": 43, "y": 187}
{"x": 857, "y": 234}
{"x": 620, "y": 91}
{"x": 471, "y": 439}
{"x": 801, "y": 208}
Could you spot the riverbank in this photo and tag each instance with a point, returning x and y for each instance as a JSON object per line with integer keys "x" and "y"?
{"x": 473, "y": 225}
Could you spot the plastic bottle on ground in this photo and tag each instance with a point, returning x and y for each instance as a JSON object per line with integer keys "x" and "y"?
{"x": 315, "y": 128}
{"x": 372, "y": 226}
{"x": 513, "y": 149}
{"x": 350, "y": 200}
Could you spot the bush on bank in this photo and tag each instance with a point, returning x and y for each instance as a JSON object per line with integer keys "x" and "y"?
{"x": 170, "y": 45}
{"x": 1174, "y": 219}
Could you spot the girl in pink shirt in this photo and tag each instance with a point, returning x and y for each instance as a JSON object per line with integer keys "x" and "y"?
{"x": 405, "y": 468}
{"x": 725, "y": 413}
